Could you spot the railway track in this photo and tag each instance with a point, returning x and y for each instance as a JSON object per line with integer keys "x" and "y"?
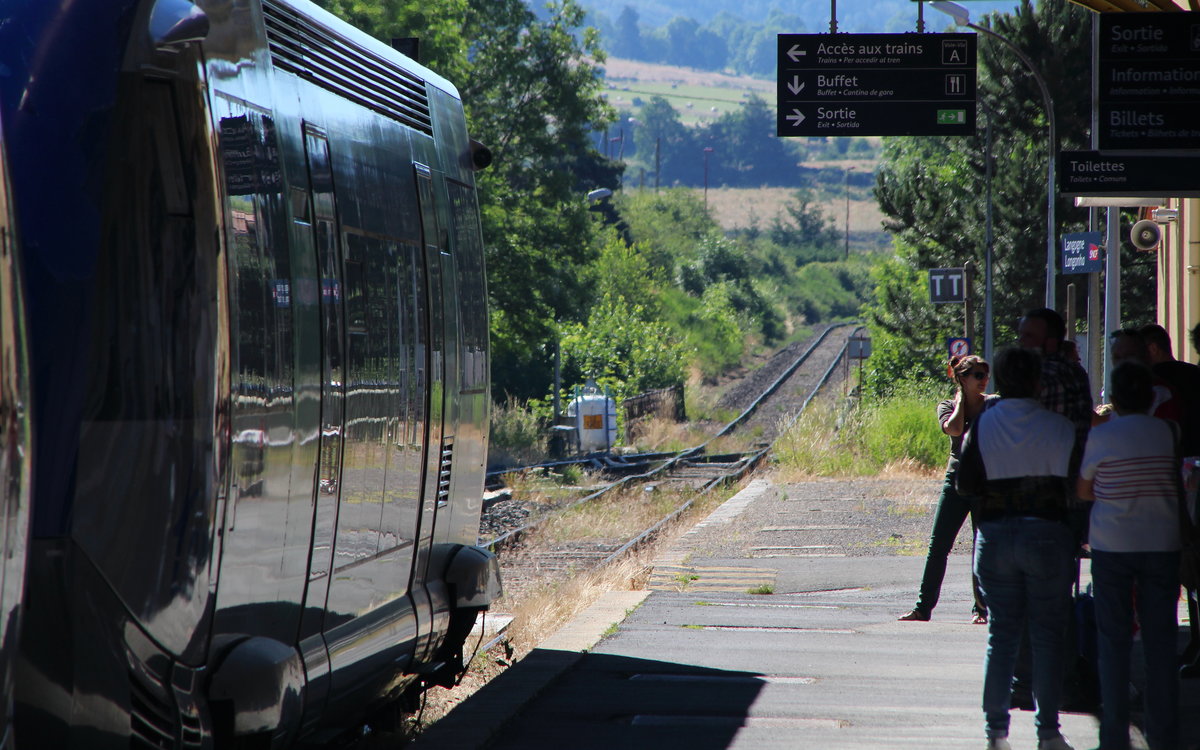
{"x": 542, "y": 543}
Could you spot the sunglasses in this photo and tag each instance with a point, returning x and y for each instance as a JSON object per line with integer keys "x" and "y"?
{"x": 978, "y": 374}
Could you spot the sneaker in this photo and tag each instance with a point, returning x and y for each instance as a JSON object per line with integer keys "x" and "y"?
{"x": 914, "y": 614}
{"x": 999, "y": 743}
{"x": 1055, "y": 743}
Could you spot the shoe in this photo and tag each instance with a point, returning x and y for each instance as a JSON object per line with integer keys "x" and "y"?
{"x": 978, "y": 619}
{"x": 914, "y": 615}
{"x": 999, "y": 743}
{"x": 1055, "y": 743}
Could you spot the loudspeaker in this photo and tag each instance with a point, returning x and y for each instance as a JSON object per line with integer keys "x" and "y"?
{"x": 1145, "y": 235}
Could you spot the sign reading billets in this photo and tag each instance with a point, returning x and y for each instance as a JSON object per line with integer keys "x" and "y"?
{"x": 1082, "y": 252}
{"x": 876, "y": 84}
{"x": 947, "y": 285}
{"x": 1149, "y": 87}
{"x": 1149, "y": 175}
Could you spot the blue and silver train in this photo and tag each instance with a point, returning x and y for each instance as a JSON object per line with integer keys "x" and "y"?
{"x": 254, "y": 303}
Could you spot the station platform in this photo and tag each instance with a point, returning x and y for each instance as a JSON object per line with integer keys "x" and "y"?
{"x": 815, "y": 659}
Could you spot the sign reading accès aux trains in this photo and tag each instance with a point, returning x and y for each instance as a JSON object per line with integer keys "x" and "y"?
{"x": 876, "y": 84}
{"x": 1082, "y": 252}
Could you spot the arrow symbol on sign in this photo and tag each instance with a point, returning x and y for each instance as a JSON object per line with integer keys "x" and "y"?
{"x": 796, "y": 117}
{"x": 795, "y": 86}
{"x": 795, "y": 52}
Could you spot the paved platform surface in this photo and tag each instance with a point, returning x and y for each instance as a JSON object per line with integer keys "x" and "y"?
{"x": 818, "y": 662}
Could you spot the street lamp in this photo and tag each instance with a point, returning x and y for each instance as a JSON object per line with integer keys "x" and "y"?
{"x": 707, "y": 150}
{"x": 963, "y": 18}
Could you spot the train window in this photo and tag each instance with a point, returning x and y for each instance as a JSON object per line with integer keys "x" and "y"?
{"x": 468, "y": 252}
{"x": 299, "y": 201}
{"x": 356, "y": 302}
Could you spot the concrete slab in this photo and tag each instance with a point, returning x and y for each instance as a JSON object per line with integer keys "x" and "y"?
{"x": 820, "y": 662}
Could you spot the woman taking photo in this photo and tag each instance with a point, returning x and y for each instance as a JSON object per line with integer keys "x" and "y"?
{"x": 955, "y": 415}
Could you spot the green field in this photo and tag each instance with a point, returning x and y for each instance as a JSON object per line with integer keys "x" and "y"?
{"x": 695, "y": 104}
{"x": 700, "y": 97}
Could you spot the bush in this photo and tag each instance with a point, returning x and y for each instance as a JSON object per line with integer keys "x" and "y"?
{"x": 899, "y": 429}
{"x": 905, "y": 426}
{"x": 517, "y": 435}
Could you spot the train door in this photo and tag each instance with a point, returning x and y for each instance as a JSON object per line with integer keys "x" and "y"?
{"x": 321, "y": 213}
{"x": 427, "y": 589}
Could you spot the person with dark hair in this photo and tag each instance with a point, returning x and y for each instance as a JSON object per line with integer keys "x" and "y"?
{"x": 1129, "y": 345}
{"x": 1015, "y": 462}
{"x": 1195, "y": 336}
{"x": 1065, "y": 386}
{"x": 955, "y": 415}
{"x": 1129, "y": 468}
{"x": 1184, "y": 379}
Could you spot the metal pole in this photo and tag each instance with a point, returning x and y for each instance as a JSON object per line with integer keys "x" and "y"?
{"x": 1095, "y": 364}
{"x": 987, "y": 257}
{"x": 557, "y": 377}
{"x": 968, "y": 300}
{"x": 1048, "y": 104}
{"x": 1112, "y": 290}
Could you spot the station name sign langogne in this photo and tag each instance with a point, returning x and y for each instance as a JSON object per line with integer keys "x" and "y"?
{"x": 876, "y": 84}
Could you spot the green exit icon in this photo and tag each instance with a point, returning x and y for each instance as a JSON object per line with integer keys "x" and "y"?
{"x": 952, "y": 117}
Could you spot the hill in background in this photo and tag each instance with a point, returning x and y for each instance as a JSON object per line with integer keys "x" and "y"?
{"x": 854, "y": 16}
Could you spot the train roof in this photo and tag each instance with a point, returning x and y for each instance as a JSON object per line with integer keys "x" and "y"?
{"x": 339, "y": 29}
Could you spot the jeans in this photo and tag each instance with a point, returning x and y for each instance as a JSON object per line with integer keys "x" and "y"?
{"x": 1156, "y": 578}
{"x": 1025, "y": 568}
{"x": 952, "y": 510}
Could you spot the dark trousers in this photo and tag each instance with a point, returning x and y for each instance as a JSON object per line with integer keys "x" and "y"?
{"x": 953, "y": 509}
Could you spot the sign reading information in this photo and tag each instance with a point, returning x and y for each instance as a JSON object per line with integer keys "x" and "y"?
{"x": 1149, "y": 86}
{"x": 876, "y": 84}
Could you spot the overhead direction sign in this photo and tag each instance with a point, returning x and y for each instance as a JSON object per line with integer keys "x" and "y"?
{"x": 1149, "y": 84}
{"x": 1099, "y": 173}
{"x": 876, "y": 84}
{"x": 947, "y": 285}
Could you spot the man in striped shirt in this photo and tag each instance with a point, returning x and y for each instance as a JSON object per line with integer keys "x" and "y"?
{"x": 1130, "y": 469}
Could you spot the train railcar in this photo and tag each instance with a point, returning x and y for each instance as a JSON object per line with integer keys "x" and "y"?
{"x": 15, "y": 451}
{"x": 258, "y": 356}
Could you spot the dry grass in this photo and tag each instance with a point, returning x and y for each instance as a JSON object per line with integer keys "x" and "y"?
{"x": 659, "y": 434}
{"x": 737, "y": 208}
{"x": 621, "y": 70}
{"x": 617, "y": 516}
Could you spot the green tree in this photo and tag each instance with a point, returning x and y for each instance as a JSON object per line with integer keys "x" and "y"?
{"x": 619, "y": 346}
{"x": 670, "y": 224}
{"x": 660, "y": 131}
{"x": 746, "y": 150}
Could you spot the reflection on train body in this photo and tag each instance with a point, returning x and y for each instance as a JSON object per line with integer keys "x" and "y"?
{"x": 259, "y": 355}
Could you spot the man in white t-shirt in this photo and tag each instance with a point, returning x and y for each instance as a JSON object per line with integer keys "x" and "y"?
{"x": 1015, "y": 464}
{"x": 1130, "y": 468}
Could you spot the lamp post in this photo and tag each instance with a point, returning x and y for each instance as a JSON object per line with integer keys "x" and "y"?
{"x": 707, "y": 150}
{"x": 847, "y": 237}
{"x": 963, "y": 18}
